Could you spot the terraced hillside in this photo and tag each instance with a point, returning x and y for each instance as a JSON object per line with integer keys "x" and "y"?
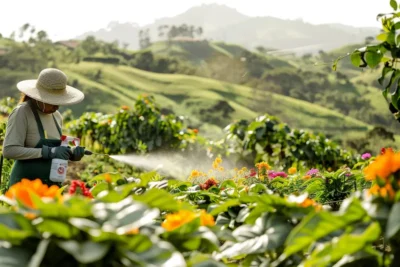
{"x": 200, "y": 98}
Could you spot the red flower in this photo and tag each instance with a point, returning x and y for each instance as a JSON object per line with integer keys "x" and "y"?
{"x": 209, "y": 183}
{"x": 253, "y": 173}
{"x": 85, "y": 191}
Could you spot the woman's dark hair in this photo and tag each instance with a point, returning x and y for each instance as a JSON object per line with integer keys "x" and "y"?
{"x": 23, "y": 98}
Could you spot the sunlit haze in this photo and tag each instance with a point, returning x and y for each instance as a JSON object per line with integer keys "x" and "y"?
{"x": 67, "y": 19}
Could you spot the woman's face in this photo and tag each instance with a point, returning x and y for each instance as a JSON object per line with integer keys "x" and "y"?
{"x": 46, "y": 108}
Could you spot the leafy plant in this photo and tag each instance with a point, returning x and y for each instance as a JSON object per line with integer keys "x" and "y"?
{"x": 266, "y": 139}
{"x": 139, "y": 130}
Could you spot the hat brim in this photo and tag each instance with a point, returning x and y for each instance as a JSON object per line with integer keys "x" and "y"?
{"x": 69, "y": 96}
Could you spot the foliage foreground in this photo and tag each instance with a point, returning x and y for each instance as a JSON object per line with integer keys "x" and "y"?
{"x": 256, "y": 217}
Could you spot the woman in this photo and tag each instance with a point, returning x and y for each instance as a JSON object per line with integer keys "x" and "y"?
{"x": 33, "y": 133}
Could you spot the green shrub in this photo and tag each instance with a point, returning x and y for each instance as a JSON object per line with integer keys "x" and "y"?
{"x": 107, "y": 60}
{"x": 267, "y": 139}
{"x": 141, "y": 129}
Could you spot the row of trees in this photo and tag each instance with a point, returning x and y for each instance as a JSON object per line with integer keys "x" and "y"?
{"x": 28, "y": 33}
{"x": 169, "y": 32}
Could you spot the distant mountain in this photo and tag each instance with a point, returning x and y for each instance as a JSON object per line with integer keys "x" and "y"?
{"x": 122, "y": 32}
{"x": 211, "y": 17}
{"x": 293, "y": 35}
{"x": 222, "y": 23}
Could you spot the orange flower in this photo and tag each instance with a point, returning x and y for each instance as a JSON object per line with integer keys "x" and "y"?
{"x": 107, "y": 178}
{"x": 308, "y": 202}
{"x": 292, "y": 170}
{"x": 307, "y": 177}
{"x": 30, "y": 215}
{"x": 24, "y": 190}
{"x": 196, "y": 131}
{"x": 386, "y": 191}
{"x": 206, "y": 219}
{"x": 125, "y": 108}
{"x": 194, "y": 173}
{"x": 383, "y": 166}
{"x": 216, "y": 163}
{"x": 133, "y": 231}
{"x": 176, "y": 220}
{"x": 262, "y": 165}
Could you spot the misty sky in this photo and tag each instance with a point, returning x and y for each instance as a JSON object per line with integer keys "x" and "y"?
{"x": 66, "y": 19}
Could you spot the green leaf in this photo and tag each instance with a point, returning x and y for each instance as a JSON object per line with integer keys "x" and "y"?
{"x": 37, "y": 258}
{"x": 346, "y": 244}
{"x": 14, "y": 236}
{"x": 203, "y": 260}
{"x": 323, "y": 223}
{"x": 99, "y": 188}
{"x": 56, "y": 228}
{"x": 116, "y": 194}
{"x": 15, "y": 256}
{"x": 15, "y": 221}
{"x": 382, "y": 37}
{"x": 394, "y": 5}
{"x": 84, "y": 224}
{"x": 228, "y": 184}
{"x": 373, "y": 58}
{"x": 395, "y": 97}
{"x": 76, "y": 206}
{"x": 191, "y": 237}
{"x": 161, "y": 254}
{"x": 85, "y": 252}
{"x": 386, "y": 71}
{"x": 104, "y": 176}
{"x": 258, "y": 188}
{"x": 356, "y": 59}
{"x": 393, "y": 224}
{"x": 268, "y": 234}
{"x": 139, "y": 243}
{"x": 367, "y": 257}
{"x": 125, "y": 215}
{"x": 158, "y": 198}
{"x": 147, "y": 177}
{"x": 224, "y": 206}
{"x": 224, "y": 219}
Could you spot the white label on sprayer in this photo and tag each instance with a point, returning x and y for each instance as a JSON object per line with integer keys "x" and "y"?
{"x": 58, "y": 170}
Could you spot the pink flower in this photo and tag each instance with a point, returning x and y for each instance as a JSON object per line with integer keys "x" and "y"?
{"x": 274, "y": 174}
{"x": 366, "y": 156}
{"x": 312, "y": 172}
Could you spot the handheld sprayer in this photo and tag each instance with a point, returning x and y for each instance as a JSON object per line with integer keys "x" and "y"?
{"x": 58, "y": 170}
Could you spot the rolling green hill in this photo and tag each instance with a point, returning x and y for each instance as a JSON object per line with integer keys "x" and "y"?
{"x": 200, "y": 52}
{"x": 229, "y": 83}
{"x": 200, "y": 98}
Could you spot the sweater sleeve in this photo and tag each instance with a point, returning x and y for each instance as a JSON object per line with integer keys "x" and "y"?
{"x": 14, "y": 141}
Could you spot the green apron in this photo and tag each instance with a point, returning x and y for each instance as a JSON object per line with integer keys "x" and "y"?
{"x": 36, "y": 168}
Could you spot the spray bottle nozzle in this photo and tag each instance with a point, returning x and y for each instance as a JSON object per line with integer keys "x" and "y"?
{"x": 88, "y": 152}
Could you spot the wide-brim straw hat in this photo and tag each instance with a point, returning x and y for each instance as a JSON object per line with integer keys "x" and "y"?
{"x": 51, "y": 88}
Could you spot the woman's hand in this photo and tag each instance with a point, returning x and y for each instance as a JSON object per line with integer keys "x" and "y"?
{"x": 77, "y": 153}
{"x": 59, "y": 152}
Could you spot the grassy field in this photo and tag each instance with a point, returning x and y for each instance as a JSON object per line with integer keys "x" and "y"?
{"x": 191, "y": 95}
